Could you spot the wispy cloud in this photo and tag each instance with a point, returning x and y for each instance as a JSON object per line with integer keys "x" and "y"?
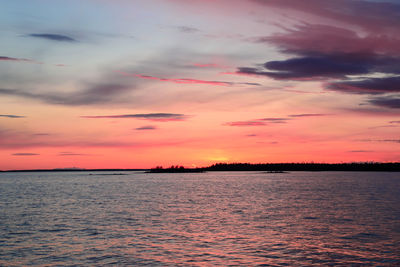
{"x": 82, "y": 144}
{"x": 266, "y": 121}
{"x": 361, "y": 151}
{"x": 163, "y": 117}
{"x": 184, "y": 80}
{"x": 390, "y": 140}
{"x": 380, "y": 140}
{"x": 12, "y": 116}
{"x": 188, "y": 80}
{"x": 146, "y": 128}
{"x": 308, "y": 115}
{"x": 310, "y": 39}
{"x": 276, "y": 120}
{"x": 69, "y": 154}
{"x": 25, "y": 154}
{"x": 93, "y": 94}
{"x": 41, "y": 134}
{"x": 53, "y": 37}
{"x": 245, "y": 123}
{"x": 377, "y": 17}
{"x": 384, "y": 126}
{"x": 14, "y": 59}
{"x": 187, "y": 29}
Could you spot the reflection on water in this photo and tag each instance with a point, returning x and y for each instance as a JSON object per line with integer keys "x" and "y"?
{"x": 236, "y": 218}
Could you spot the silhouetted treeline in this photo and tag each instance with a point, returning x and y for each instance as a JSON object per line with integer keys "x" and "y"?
{"x": 363, "y": 166}
{"x": 174, "y": 169}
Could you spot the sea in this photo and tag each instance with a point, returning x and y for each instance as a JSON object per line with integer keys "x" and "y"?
{"x": 106, "y": 218}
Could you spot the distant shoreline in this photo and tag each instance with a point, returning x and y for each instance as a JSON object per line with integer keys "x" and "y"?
{"x": 76, "y": 170}
{"x": 267, "y": 167}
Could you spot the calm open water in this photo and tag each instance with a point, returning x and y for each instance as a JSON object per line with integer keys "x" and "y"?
{"x": 207, "y": 219}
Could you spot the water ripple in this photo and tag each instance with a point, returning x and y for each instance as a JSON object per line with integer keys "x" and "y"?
{"x": 207, "y": 219}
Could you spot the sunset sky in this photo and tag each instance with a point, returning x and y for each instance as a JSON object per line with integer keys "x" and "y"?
{"x": 141, "y": 83}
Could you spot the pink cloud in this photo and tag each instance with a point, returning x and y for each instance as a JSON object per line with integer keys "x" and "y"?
{"x": 179, "y": 81}
{"x": 187, "y": 80}
{"x": 13, "y": 59}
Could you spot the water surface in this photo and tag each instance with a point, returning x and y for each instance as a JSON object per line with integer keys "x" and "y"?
{"x": 207, "y": 219}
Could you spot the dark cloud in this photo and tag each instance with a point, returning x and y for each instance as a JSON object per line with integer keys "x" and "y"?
{"x": 145, "y": 128}
{"x": 324, "y": 52}
{"x": 321, "y": 66}
{"x": 148, "y": 116}
{"x": 12, "y": 116}
{"x": 307, "y": 115}
{"x": 394, "y": 121}
{"x": 251, "y": 84}
{"x": 92, "y": 95}
{"x": 307, "y": 67}
{"x": 25, "y": 154}
{"x": 368, "y": 86}
{"x": 304, "y": 68}
{"x": 53, "y": 37}
{"x": 374, "y": 110}
{"x": 386, "y": 102}
{"x": 361, "y": 151}
{"x": 338, "y": 52}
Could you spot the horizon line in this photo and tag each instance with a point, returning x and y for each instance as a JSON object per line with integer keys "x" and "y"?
{"x": 66, "y": 169}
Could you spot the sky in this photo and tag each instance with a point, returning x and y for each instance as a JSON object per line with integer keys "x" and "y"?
{"x": 143, "y": 83}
